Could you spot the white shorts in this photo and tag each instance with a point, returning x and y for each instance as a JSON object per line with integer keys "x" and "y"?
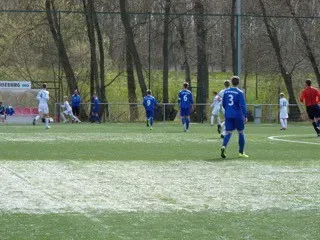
{"x": 215, "y": 111}
{"x": 43, "y": 108}
{"x": 283, "y": 115}
{"x": 67, "y": 112}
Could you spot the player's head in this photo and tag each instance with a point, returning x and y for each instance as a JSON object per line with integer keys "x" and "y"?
{"x": 214, "y": 93}
{"x": 281, "y": 95}
{"x": 149, "y": 92}
{"x": 235, "y": 80}
{"x": 75, "y": 91}
{"x": 65, "y": 98}
{"x": 0, "y": 102}
{"x": 226, "y": 83}
{"x": 44, "y": 86}
{"x": 185, "y": 85}
{"x": 308, "y": 82}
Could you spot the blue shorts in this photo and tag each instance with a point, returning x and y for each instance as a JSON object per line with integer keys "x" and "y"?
{"x": 184, "y": 112}
{"x": 234, "y": 123}
{"x": 149, "y": 114}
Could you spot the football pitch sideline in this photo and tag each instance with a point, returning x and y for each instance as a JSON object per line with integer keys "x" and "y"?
{"x": 124, "y": 181}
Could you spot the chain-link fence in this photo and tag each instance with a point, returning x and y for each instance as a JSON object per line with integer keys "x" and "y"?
{"x": 122, "y": 112}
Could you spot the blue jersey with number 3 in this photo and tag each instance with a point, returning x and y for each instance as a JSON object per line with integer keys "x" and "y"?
{"x": 234, "y": 103}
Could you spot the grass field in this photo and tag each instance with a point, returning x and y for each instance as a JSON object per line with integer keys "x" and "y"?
{"x": 124, "y": 181}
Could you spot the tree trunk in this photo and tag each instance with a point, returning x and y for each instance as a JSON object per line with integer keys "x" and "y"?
{"x": 185, "y": 53}
{"x": 165, "y": 52}
{"x": 132, "y": 46}
{"x": 295, "y": 113}
{"x": 202, "y": 65}
{"x": 94, "y": 84}
{"x": 233, "y": 37}
{"x": 103, "y": 97}
{"x": 132, "y": 97}
{"x": 53, "y": 21}
{"x": 305, "y": 39}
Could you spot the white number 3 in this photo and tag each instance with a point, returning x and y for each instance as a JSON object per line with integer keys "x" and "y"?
{"x": 230, "y": 100}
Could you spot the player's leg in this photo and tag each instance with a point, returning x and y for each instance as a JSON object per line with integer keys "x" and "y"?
{"x": 282, "y": 124}
{"x": 187, "y": 122}
{"x": 230, "y": 126}
{"x": 212, "y": 119}
{"x": 312, "y": 112}
{"x": 39, "y": 116}
{"x": 285, "y": 120}
{"x": 241, "y": 139}
{"x": 63, "y": 118}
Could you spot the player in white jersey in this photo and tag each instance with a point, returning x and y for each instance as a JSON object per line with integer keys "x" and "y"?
{"x": 68, "y": 111}
{"x": 283, "y": 104}
{"x": 221, "y": 93}
{"x": 216, "y": 104}
{"x": 43, "y": 109}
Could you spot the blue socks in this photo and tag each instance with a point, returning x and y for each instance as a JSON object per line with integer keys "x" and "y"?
{"x": 241, "y": 142}
{"x": 226, "y": 139}
{"x": 187, "y": 123}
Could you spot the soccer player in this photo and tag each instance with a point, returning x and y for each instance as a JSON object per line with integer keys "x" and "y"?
{"x": 68, "y": 111}
{"x": 2, "y": 112}
{"x": 95, "y": 110}
{"x": 235, "y": 116}
{"x": 43, "y": 109}
{"x": 185, "y": 100}
{"x": 221, "y": 93}
{"x": 216, "y": 108}
{"x": 311, "y": 97}
{"x": 149, "y": 102}
{"x": 75, "y": 102}
{"x": 283, "y": 103}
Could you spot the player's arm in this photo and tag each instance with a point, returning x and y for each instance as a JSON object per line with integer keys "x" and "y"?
{"x": 243, "y": 107}
{"x": 302, "y": 96}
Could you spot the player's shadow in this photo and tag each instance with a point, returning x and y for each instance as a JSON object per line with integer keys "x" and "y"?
{"x": 220, "y": 159}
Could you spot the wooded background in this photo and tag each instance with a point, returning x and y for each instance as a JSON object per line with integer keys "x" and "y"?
{"x": 92, "y": 44}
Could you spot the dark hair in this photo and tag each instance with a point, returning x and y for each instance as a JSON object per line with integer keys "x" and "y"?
{"x": 214, "y": 92}
{"x": 149, "y": 92}
{"x": 226, "y": 83}
{"x": 235, "y": 80}
{"x": 44, "y": 85}
{"x": 186, "y": 85}
{"x": 308, "y": 82}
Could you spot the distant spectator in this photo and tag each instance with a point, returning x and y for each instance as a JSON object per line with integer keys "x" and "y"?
{"x": 75, "y": 102}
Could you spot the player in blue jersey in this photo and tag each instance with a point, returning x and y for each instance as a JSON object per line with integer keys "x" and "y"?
{"x": 95, "y": 110}
{"x": 185, "y": 100}
{"x": 235, "y": 116}
{"x": 149, "y": 102}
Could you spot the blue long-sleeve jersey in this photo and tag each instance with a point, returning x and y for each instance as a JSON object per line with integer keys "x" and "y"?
{"x": 149, "y": 102}
{"x": 185, "y": 98}
{"x": 76, "y": 100}
{"x": 234, "y": 103}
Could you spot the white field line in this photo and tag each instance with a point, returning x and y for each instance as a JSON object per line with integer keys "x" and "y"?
{"x": 98, "y": 137}
{"x": 279, "y": 138}
{"x": 130, "y": 186}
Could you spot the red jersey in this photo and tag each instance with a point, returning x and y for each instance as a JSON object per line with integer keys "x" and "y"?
{"x": 310, "y": 95}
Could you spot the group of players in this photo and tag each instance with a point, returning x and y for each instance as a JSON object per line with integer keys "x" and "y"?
{"x": 230, "y": 100}
{"x": 235, "y": 112}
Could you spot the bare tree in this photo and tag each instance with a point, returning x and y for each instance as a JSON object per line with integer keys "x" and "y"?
{"x": 53, "y": 20}
{"x": 306, "y": 41}
{"x": 132, "y": 96}
{"x": 202, "y": 65}
{"x": 287, "y": 76}
{"x": 132, "y": 46}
